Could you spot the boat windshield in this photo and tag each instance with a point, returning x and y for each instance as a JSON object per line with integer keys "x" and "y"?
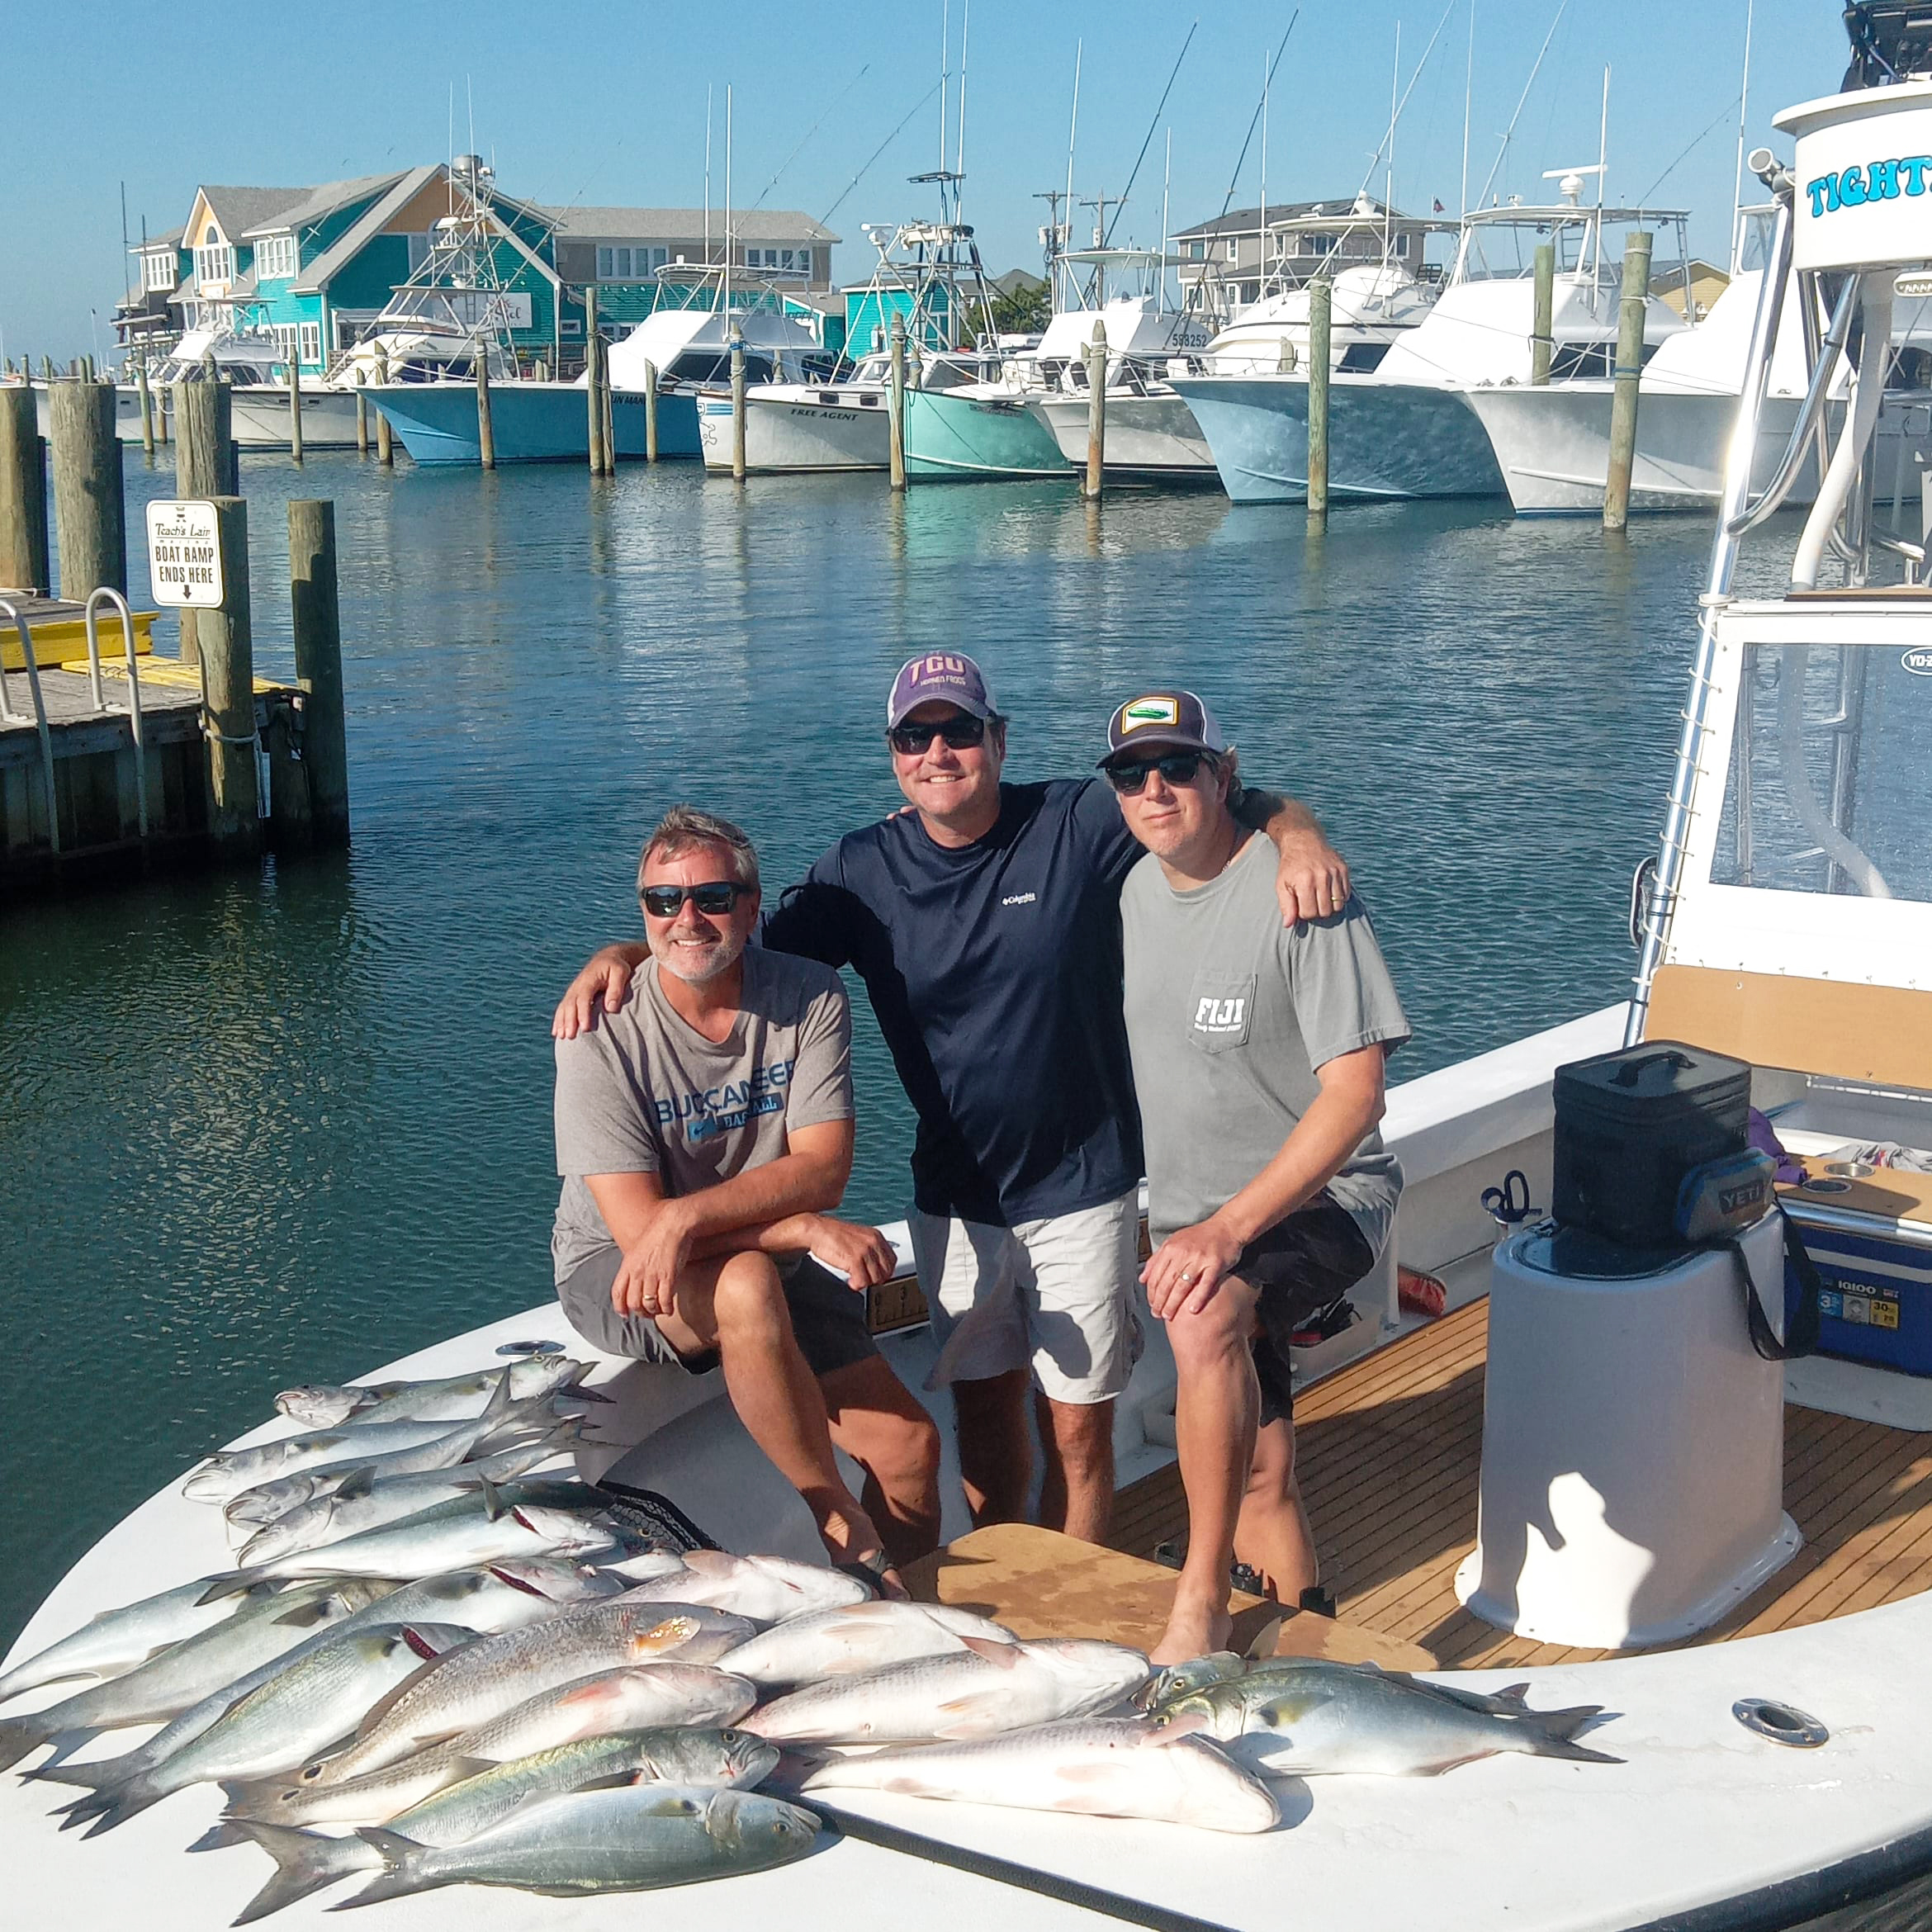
{"x": 1830, "y": 790}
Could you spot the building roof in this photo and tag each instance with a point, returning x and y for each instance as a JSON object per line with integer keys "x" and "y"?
{"x": 155, "y": 243}
{"x": 241, "y": 210}
{"x": 312, "y": 204}
{"x": 398, "y": 191}
{"x": 1248, "y": 220}
{"x": 1666, "y": 279}
{"x": 1017, "y": 279}
{"x": 748, "y": 225}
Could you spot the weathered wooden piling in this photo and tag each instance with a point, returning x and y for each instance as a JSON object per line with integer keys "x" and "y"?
{"x": 90, "y": 513}
{"x": 1544, "y": 313}
{"x": 228, "y": 663}
{"x": 1321, "y": 317}
{"x": 385, "y": 435}
{"x": 147, "y": 410}
{"x": 24, "y": 562}
{"x": 295, "y": 407}
{"x": 485, "y": 428}
{"x": 204, "y": 464}
{"x": 1627, "y": 375}
{"x": 737, "y": 403}
{"x": 1096, "y": 413}
{"x": 651, "y": 412}
{"x": 610, "y": 451}
{"x": 318, "y": 657}
{"x": 361, "y": 418}
{"x": 896, "y": 403}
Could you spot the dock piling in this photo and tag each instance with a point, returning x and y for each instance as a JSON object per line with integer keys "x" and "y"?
{"x": 1627, "y": 375}
{"x": 651, "y": 412}
{"x": 294, "y": 406}
{"x": 361, "y": 418}
{"x": 228, "y": 671}
{"x": 1096, "y": 413}
{"x": 204, "y": 466}
{"x": 147, "y": 410}
{"x": 1321, "y": 318}
{"x": 24, "y": 561}
{"x": 737, "y": 403}
{"x": 896, "y": 459}
{"x": 318, "y": 657}
{"x": 90, "y": 513}
{"x": 385, "y": 436}
{"x": 485, "y": 428}
{"x": 1546, "y": 309}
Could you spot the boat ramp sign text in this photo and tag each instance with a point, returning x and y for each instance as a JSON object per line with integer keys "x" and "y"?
{"x": 184, "y": 553}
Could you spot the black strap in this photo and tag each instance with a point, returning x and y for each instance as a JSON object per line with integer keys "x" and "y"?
{"x": 1800, "y": 1326}
{"x": 654, "y": 1516}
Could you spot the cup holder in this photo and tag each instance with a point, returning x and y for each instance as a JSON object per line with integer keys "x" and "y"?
{"x": 1781, "y": 1723}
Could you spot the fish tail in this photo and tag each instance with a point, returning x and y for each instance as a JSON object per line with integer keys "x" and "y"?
{"x": 1552, "y": 1734}
{"x": 18, "y": 1735}
{"x": 305, "y": 1862}
{"x": 1562, "y": 1724}
{"x": 227, "y": 1583}
{"x": 400, "y": 1858}
{"x": 95, "y": 1774}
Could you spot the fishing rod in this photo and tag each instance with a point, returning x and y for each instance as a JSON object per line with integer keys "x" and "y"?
{"x": 813, "y": 129}
{"x": 1254, "y": 120}
{"x": 1509, "y": 132}
{"x": 879, "y": 150}
{"x": 1388, "y": 139}
{"x": 1107, "y": 237}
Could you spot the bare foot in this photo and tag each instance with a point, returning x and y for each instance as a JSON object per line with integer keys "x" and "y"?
{"x": 1196, "y": 1627}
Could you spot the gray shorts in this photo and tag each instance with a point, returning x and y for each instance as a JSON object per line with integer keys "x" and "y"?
{"x": 828, "y": 1317}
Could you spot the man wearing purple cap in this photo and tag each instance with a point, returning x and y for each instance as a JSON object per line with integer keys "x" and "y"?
{"x": 1259, "y": 1057}
{"x": 985, "y": 923}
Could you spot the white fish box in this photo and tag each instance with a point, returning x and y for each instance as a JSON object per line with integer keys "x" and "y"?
{"x": 1864, "y": 177}
{"x": 1633, "y": 1449}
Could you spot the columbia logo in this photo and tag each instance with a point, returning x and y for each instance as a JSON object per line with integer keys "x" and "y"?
{"x": 1020, "y": 899}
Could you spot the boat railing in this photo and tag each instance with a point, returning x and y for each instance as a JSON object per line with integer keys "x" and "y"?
{"x": 8, "y": 715}
{"x": 107, "y": 596}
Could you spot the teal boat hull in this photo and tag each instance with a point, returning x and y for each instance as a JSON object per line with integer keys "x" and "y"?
{"x": 530, "y": 422}
{"x": 951, "y": 437}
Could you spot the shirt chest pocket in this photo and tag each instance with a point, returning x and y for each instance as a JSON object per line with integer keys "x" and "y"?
{"x": 1220, "y": 1011}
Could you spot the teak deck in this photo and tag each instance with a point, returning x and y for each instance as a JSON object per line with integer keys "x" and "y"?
{"x": 1390, "y": 1450}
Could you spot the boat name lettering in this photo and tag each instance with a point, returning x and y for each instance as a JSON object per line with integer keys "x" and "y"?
{"x": 1918, "y": 662}
{"x": 1881, "y": 181}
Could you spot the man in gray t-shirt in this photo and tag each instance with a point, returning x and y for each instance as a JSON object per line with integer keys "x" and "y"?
{"x": 1258, "y": 1056}
{"x": 702, "y": 1133}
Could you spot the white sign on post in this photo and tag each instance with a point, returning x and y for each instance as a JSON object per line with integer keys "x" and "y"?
{"x": 184, "y": 553}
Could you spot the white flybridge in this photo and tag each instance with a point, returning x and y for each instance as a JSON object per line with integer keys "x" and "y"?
{"x": 1773, "y": 1772}
{"x": 1403, "y": 428}
{"x": 1552, "y": 441}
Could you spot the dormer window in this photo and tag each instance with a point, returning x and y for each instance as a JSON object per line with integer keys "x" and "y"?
{"x": 214, "y": 263}
{"x": 158, "y": 272}
{"x": 275, "y": 258}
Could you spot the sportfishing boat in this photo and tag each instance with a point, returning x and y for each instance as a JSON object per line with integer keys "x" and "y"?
{"x": 1606, "y": 1475}
{"x": 1552, "y": 441}
{"x": 1403, "y": 428}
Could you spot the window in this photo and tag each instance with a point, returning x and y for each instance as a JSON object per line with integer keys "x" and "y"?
{"x": 311, "y": 342}
{"x": 1194, "y": 251}
{"x": 1233, "y": 248}
{"x": 287, "y": 340}
{"x": 275, "y": 258}
{"x": 1402, "y": 247}
{"x": 158, "y": 272}
{"x": 214, "y": 262}
{"x": 1314, "y": 244}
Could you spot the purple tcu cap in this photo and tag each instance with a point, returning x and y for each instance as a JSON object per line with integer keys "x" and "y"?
{"x": 1170, "y": 717}
{"x": 949, "y": 675}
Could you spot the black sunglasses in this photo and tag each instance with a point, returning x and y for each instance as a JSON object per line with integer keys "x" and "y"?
{"x": 1177, "y": 768}
{"x": 959, "y": 731}
{"x": 715, "y": 897}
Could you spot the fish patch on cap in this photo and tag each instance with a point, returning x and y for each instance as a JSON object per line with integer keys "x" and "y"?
{"x": 1148, "y": 711}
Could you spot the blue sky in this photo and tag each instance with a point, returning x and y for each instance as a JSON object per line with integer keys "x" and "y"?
{"x": 607, "y": 104}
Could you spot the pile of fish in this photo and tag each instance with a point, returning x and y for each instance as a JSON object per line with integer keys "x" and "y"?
{"x": 433, "y": 1664}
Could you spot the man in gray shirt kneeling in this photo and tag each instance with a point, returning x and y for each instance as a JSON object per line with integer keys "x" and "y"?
{"x": 1257, "y": 1057}
{"x": 703, "y": 1134}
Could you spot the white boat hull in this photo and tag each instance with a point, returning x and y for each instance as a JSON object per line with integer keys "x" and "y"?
{"x": 1146, "y": 435}
{"x": 259, "y": 415}
{"x": 790, "y": 429}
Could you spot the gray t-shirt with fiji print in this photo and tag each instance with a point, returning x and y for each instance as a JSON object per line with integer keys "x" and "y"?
{"x": 643, "y": 1092}
{"x": 1229, "y": 1014}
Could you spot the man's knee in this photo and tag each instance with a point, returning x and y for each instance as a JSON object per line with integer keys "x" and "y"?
{"x": 1214, "y": 1336}
{"x": 1082, "y": 1432}
{"x": 748, "y": 1302}
{"x": 902, "y": 1451}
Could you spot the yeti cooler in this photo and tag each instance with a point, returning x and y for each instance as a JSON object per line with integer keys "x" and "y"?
{"x": 1631, "y": 1125}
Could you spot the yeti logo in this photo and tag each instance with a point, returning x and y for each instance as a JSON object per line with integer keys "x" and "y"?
{"x": 1214, "y": 1015}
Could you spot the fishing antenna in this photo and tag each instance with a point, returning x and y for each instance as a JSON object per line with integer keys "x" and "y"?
{"x": 1509, "y": 132}
{"x": 1107, "y": 237}
{"x": 877, "y": 151}
{"x": 1395, "y": 114}
{"x": 1254, "y": 119}
{"x": 814, "y": 128}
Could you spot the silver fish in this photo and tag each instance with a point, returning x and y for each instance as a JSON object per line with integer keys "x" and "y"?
{"x": 645, "y": 1696}
{"x": 448, "y": 1399}
{"x": 1175, "y": 1680}
{"x": 116, "y": 1641}
{"x": 451, "y": 1535}
{"x": 1103, "y": 1767}
{"x": 225, "y": 1476}
{"x": 506, "y": 1595}
{"x": 709, "y": 1759}
{"x": 975, "y": 1692}
{"x": 306, "y": 1704}
{"x": 1307, "y": 1718}
{"x": 862, "y": 1636}
{"x": 768, "y": 1589}
{"x": 490, "y": 1676}
{"x": 269, "y": 1625}
{"x": 627, "y": 1840}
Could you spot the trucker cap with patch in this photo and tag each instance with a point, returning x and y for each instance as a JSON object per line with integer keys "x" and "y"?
{"x": 1174, "y": 718}
{"x": 950, "y": 677}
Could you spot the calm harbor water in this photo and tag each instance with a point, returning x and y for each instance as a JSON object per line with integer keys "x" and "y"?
{"x": 283, "y": 1126}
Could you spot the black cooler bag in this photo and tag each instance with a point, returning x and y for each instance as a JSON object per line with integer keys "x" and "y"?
{"x": 1631, "y": 1125}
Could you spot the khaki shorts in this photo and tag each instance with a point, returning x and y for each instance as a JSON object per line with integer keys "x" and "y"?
{"x": 828, "y": 1317}
{"x": 1057, "y": 1296}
